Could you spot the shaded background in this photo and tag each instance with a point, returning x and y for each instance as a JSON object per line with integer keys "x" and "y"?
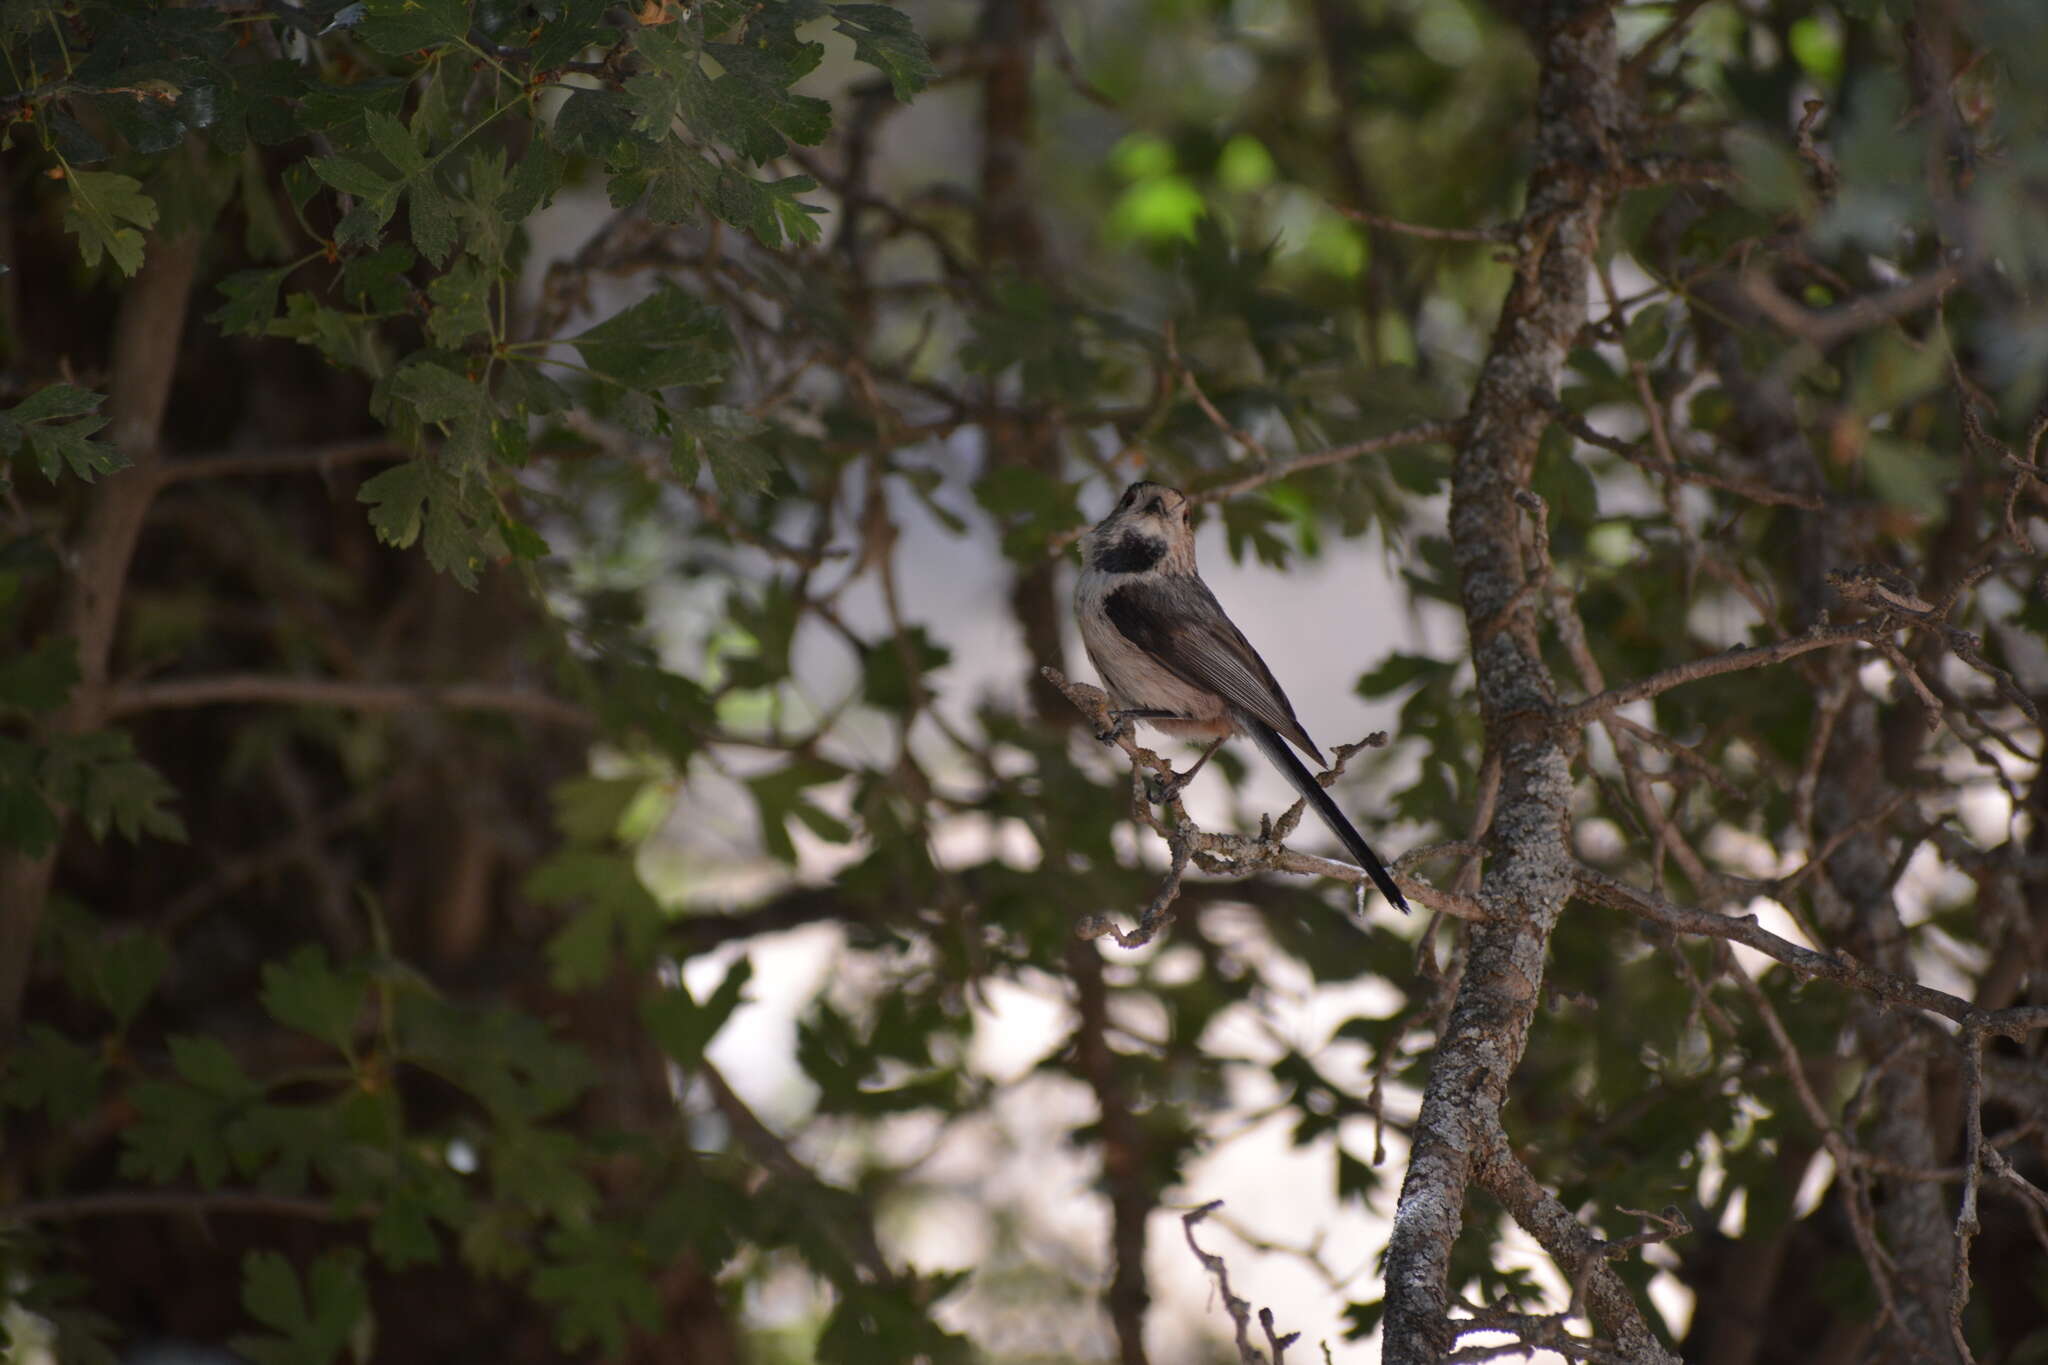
{"x": 659, "y": 946}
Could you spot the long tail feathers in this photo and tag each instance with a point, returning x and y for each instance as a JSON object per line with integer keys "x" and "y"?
{"x": 1275, "y": 748}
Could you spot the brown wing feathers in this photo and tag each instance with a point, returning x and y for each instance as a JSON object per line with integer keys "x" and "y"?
{"x": 1201, "y": 646}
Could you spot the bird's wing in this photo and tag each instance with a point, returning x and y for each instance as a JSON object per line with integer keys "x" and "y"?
{"x": 1178, "y": 621}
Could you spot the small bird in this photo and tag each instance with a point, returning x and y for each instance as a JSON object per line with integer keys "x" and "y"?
{"x": 1171, "y": 658}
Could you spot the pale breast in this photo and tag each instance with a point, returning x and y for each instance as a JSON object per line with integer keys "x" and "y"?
{"x": 1134, "y": 680}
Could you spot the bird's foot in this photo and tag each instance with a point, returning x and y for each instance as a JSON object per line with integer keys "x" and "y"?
{"x": 1124, "y": 722}
{"x": 1164, "y": 791}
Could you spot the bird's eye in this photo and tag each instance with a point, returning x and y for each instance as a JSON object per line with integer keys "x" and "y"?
{"x": 1155, "y": 507}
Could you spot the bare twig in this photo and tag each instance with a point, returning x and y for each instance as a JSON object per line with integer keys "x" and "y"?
{"x": 1420, "y": 434}
{"x": 259, "y": 689}
{"x": 1504, "y": 232}
{"x": 1714, "y": 665}
{"x": 1240, "y": 1311}
{"x": 1826, "y": 330}
{"x": 2012, "y": 1022}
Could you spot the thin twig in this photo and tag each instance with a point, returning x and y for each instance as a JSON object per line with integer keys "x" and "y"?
{"x": 1240, "y": 1311}
{"x": 1501, "y": 232}
{"x": 259, "y": 689}
{"x": 1728, "y": 661}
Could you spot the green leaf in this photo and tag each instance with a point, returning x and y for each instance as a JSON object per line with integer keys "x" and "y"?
{"x": 598, "y": 1283}
{"x": 47, "y": 1071}
{"x": 618, "y": 912}
{"x": 750, "y": 105}
{"x": 397, "y": 27}
{"x": 461, "y": 307}
{"x": 208, "y": 1065}
{"x": 884, "y": 39}
{"x": 270, "y": 1290}
{"x": 376, "y": 281}
{"x": 534, "y": 183}
{"x": 27, "y": 822}
{"x": 348, "y": 342}
{"x": 1397, "y": 671}
{"x": 98, "y": 775}
{"x": 304, "y": 993}
{"x": 56, "y": 423}
{"x": 176, "y": 1125}
{"x": 769, "y": 209}
{"x": 102, "y": 208}
{"x": 588, "y": 810}
{"x": 1647, "y": 332}
{"x": 883, "y": 666}
{"x": 779, "y": 794}
{"x": 251, "y": 301}
{"x": 726, "y": 437}
{"x": 398, "y": 501}
{"x": 354, "y": 177}
{"x": 685, "y": 1028}
{"x": 1768, "y": 176}
{"x": 395, "y": 142}
{"x": 313, "y": 1326}
{"x": 508, "y": 1060}
{"x": 438, "y": 394}
{"x": 418, "y": 500}
{"x": 594, "y": 123}
{"x": 55, "y": 402}
{"x": 666, "y": 338}
{"x": 37, "y": 680}
{"x": 124, "y": 972}
{"x": 435, "y": 229}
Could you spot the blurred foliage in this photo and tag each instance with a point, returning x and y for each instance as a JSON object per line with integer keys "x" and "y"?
{"x": 681, "y": 324}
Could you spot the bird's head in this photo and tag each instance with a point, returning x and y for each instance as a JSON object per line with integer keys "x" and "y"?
{"x": 1148, "y": 529}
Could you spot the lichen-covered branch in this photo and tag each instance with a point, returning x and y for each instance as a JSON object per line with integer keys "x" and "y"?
{"x": 1529, "y": 873}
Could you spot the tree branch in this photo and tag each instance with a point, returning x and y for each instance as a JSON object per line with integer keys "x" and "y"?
{"x": 147, "y": 331}
{"x": 259, "y": 689}
{"x": 1528, "y": 876}
{"x": 2011, "y": 1022}
{"x": 1420, "y": 434}
{"x": 1239, "y": 1309}
{"x": 1714, "y": 665}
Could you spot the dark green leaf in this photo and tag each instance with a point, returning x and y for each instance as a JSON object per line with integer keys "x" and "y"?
{"x": 666, "y": 338}
{"x": 304, "y": 993}
{"x": 682, "y": 1026}
{"x": 594, "y": 123}
{"x": 48, "y": 1072}
{"x": 618, "y": 913}
{"x": 461, "y": 308}
{"x": 98, "y": 775}
{"x": 251, "y": 301}
{"x": 38, "y": 679}
{"x": 376, "y": 281}
{"x": 599, "y": 1286}
{"x": 884, "y": 39}
{"x": 27, "y": 822}
{"x": 397, "y": 27}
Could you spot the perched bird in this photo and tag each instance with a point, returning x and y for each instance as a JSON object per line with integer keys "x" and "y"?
{"x": 1171, "y": 658}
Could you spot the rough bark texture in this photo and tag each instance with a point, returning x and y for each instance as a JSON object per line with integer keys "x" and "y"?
{"x": 1529, "y": 869}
